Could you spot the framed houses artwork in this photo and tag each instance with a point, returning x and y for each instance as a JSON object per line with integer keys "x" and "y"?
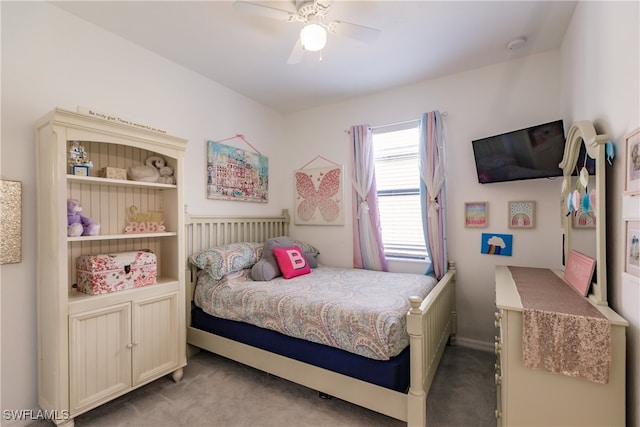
{"x": 236, "y": 174}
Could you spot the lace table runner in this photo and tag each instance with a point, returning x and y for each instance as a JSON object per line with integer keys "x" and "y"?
{"x": 562, "y": 332}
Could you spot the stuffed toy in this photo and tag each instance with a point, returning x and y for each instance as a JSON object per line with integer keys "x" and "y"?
{"x": 149, "y": 172}
{"x": 166, "y": 175}
{"x": 77, "y": 223}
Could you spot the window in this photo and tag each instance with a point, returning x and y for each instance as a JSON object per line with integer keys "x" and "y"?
{"x": 397, "y": 184}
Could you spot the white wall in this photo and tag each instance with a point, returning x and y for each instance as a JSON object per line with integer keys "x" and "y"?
{"x": 478, "y": 103}
{"x": 52, "y": 59}
{"x": 600, "y": 81}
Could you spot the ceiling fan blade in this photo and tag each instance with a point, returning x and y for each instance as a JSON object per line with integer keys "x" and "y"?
{"x": 355, "y": 31}
{"x": 296, "y": 54}
{"x": 262, "y": 10}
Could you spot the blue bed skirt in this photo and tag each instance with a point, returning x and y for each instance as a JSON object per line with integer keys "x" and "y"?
{"x": 392, "y": 374}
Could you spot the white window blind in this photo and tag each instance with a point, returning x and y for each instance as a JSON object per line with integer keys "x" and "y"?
{"x": 397, "y": 185}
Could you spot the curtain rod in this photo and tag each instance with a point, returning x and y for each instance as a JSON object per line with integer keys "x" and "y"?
{"x": 443, "y": 114}
{"x": 395, "y": 124}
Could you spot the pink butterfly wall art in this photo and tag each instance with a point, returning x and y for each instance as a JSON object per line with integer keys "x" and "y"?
{"x": 319, "y": 197}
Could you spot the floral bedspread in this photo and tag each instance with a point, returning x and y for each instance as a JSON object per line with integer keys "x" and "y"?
{"x": 360, "y": 311}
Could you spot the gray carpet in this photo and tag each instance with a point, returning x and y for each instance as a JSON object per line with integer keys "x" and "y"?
{"x": 218, "y": 392}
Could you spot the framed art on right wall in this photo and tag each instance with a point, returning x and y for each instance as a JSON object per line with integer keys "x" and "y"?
{"x": 632, "y": 248}
{"x": 476, "y": 214}
{"x": 632, "y": 163}
{"x": 583, "y": 219}
{"x": 522, "y": 214}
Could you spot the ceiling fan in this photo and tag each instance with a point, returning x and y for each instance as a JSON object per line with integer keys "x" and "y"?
{"x": 313, "y": 35}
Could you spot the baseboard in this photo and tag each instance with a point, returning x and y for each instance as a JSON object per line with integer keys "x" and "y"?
{"x": 475, "y": 344}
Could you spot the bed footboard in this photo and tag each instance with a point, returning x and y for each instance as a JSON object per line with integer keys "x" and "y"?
{"x": 431, "y": 323}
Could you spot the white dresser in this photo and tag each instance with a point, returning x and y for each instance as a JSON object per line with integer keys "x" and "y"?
{"x": 536, "y": 397}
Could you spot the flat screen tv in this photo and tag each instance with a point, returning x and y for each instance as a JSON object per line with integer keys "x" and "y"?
{"x": 528, "y": 153}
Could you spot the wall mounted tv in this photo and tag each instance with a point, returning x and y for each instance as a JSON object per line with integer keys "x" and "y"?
{"x": 528, "y": 153}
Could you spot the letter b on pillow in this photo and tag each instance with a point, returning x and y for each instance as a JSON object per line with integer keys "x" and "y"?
{"x": 291, "y": 262}
{"x": 296, "y": 259}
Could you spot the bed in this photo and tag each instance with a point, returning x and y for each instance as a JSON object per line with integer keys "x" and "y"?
{"x": 394, "y": 382}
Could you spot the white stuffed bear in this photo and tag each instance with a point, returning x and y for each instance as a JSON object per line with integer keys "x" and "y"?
{"x": 166, "y": 175}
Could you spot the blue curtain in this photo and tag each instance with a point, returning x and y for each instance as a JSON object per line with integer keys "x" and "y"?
{"x": 432, "y": 191}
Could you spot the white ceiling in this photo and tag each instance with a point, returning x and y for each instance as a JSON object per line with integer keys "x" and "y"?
{"x": 248, "y": 53}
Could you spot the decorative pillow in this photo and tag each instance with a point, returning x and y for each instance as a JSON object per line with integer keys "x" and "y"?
{"x": 311, "y": 259}
{"x": 267, "y": 267}
{"x": 307, "y": 248}
{"x": 222, "y": 260}
{"x": 310, "y": 253}
{"x": 291, "y": 261}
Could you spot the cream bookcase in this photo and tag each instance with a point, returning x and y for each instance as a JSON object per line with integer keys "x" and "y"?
{"x": 94, "y": 348}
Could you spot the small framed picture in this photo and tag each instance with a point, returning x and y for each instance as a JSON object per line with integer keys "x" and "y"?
{"x": 632, "y": 163}
{"x": 496, "y": 244}
{"x": 582, "y": 219}
{"x": 632, "y": 248}
{"x": 476, "y": 214}
{"x": 522, "y": 214}
{"x": 80, "y": 170}
{"x": 579, "y": 271}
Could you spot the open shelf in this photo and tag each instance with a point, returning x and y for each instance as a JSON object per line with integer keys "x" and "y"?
{"x": 117, "y": 182}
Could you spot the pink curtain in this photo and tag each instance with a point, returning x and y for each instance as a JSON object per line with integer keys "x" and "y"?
{"x": 432, "y": 190}
{"x": 368, "y": 249}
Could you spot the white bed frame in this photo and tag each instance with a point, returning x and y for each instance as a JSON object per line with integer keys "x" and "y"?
{"x": 430, "y": 324}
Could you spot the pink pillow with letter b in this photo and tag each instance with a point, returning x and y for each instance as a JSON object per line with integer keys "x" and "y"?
{"x": 291, "y": 262}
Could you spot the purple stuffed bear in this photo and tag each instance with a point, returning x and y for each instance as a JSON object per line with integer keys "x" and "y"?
{"x": 78, "y": 224}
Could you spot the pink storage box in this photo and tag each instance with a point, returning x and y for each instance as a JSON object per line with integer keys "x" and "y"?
{"x": 105, "y": 273}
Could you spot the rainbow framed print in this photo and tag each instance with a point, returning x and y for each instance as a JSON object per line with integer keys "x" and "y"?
{"x": 522, "y": 214}
{"x": 496, "y": 244}
{"x": 476, "y": 214}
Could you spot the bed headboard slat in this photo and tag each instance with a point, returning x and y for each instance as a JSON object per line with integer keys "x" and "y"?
{"x": 204, "y": 232}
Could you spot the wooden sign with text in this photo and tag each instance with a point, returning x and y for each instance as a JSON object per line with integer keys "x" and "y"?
{"x": 579, "y": 271}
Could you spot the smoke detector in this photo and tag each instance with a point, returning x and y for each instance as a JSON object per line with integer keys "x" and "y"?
{"x": 517, "y": 43}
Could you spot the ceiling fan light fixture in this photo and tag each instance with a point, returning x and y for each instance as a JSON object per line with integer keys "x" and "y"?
{"x": 313, "y": 37}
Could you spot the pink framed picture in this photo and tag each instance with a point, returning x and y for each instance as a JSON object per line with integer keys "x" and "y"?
{"x": 579, "y": 271}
